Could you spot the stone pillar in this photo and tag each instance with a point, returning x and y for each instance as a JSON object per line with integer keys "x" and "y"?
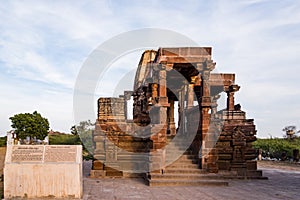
{"x": 98, "y": 168}
{"x": 154, "y": 92}
{"x": 209, "y": 153}
{"x": 163, "y": 99}
{"x": 205, "y": 118}
{"x": 230, "y": 96}
{"x": 230, "y": 101}
{"x": 190, "y": 101}
{"x": 181, "y": 110}
{"x": 159, "y": 131}
{"x": 159, "y": 139}
{"x": 191, "y": 93}
{"x": 127, "y": 96}
{"x": 214, "y": 105}
{"x": 172, "y": 127}
{"x": 205, "y": 84}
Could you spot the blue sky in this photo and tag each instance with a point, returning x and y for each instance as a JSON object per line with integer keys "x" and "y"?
{"x": 43, "y": 45}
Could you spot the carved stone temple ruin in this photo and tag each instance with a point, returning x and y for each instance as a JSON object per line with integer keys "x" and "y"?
{"x": 204, "y": 142}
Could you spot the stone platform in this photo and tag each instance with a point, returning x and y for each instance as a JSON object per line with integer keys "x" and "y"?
{"x": 282, "y": 184}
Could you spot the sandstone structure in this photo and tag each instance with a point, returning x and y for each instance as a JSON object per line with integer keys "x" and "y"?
{"x": 203, "y": 142}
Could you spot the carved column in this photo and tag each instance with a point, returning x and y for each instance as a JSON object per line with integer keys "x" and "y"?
{"x": 191, "y": 92}
{"x": 163, "y": 99}
{"x": 172, "y": 127}
{"x": 179, "y": 109}
{"x": 230, "y": 96}
{"x": 154, "y": 92}
{"x": 230, "y": 101}
{"x": 181, "y": 104}
{"x": 214, "y": 105}
{"x": 159, "y": 131}
{"x": 208, "y": 153}
{"x": 159, "y": 139}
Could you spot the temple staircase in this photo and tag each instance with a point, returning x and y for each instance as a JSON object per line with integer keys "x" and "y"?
{"x": 184, "y": 171}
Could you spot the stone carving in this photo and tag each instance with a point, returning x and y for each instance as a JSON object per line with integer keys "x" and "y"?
{"x": 223, "y": 137}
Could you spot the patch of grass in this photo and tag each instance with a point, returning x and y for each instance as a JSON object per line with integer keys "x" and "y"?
{"x": 3, "y": 141}
{"x": 64, "y": 139}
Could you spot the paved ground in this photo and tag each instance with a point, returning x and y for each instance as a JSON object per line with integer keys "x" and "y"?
{"x": 282, "y": 184}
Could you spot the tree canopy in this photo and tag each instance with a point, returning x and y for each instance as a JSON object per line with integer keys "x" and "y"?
{"x": 84, "y": 132}
{"x": 290, "y": 131}
{"x": 30, "y": 125}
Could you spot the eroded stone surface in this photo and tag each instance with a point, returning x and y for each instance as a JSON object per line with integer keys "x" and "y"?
{"x": 221, "y": 140}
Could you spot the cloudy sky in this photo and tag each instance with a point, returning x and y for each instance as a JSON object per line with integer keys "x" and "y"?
{"x": 43, "y": 45}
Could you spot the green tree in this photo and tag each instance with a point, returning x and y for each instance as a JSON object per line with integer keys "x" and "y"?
{"x": 84, "y": 133}
{"x": 290, "y": 131}
{"x": 84, "y": 126}
{"x": 30, "y": 125}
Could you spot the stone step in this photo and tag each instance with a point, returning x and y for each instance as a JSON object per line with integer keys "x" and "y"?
{"x": 190, "y": 157}
{"x": 254, "y": 173}
{"x": 177, "y": 156}
{"x": 251, "y": 174}
{"x": 182, "y": 171}
{"x": 176, "y": 146}
{"x": 182, "y": 161}
{"x": 133, "y": 157}
{"x": 183, "y": 165}
{"x": 167, "y": 182}
{"x": 184, "y": 158}
{"x": 175, "y": 150}
{"x": 244, "y": 177}
{"x": 204, "y": 176}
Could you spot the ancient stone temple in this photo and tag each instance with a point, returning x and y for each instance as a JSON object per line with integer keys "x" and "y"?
{"x": 169, "y": 129}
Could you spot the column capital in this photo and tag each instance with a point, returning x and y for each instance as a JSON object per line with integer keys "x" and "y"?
{"x": 231, "y": 88}
{"x": 209, "y": 65}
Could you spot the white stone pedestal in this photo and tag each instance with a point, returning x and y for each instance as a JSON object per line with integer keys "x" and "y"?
{"x": 37, "y": 171}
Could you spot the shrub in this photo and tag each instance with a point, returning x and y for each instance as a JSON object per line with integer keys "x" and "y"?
{"x": 275, "y": 147}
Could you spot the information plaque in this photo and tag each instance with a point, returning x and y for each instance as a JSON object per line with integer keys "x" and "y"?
{"x": 43, "y": 154}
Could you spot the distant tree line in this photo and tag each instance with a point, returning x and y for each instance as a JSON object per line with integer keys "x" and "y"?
{"x": 277, "y": 147}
